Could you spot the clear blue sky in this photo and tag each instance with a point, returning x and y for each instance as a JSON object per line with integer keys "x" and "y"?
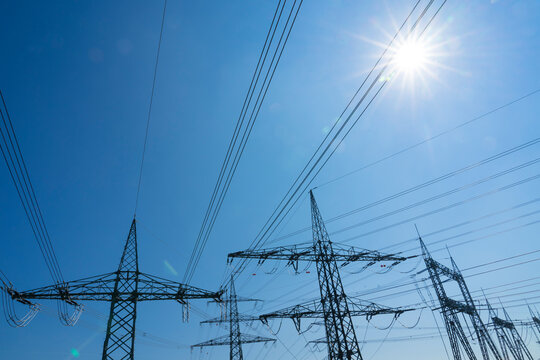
{"x": 76, "y": 76}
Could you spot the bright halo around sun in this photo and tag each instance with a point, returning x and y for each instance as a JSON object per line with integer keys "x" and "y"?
{"x": 411, "y": 56}
{"x": 413, "y": 61}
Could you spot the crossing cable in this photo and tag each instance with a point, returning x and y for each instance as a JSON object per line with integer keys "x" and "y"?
{"x": 534, "y": 222}
{"x": 223, "y": 183}
{"x": 467, "y": 222}
{"x": 421, "y": 186}
{"x": 310, "y": 171}
{"x": 448, "y": 207}
{"x": 11, "y": 152}
{"x": 150, "y": 108}
{"x": 232, "y": 142}
{"x": 438, "y": 196}
{"x": 248, "y": 132}
{"x": 197, "y": 252}
{"x": 431, "y": 138}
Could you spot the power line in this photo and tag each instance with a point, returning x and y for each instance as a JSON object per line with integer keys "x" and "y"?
{"x": 423, "y": 185}
{"x": 319, "y": 159}
{"x": 150, "y": 107}
{"x": 16, "y": 165}
{"x": 447, "y": 207}
{"x": 466, "y": 222}
{"x": 401, "y": 284}
{"x": 439, "y": 196}
{"x": 232, "y": 142}
{"x": 368, "y": 292}
{"x": 467, "y": 232}
{"x": 388, "y": 157}
{"x": 459, "y": 244}
{"x": 236, "y": 148}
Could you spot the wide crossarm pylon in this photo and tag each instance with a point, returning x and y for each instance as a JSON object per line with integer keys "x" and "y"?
{"x": 123, "y": 288}
{"x": 450, "y": 309}
{"x": 314, "y": 310}
{"x": 340, "y": 333}
{"x": 235, "y": 339}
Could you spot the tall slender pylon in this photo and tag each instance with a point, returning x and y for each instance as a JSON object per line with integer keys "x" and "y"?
{"x": 450, "y": 309}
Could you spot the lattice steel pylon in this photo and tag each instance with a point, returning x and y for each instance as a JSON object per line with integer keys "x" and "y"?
{"x": 509, "y": 339}
{"x": 535, "y": 324}
{"x": 120, "y": 333}
{"x": 340, "y": 333}
{"x": 235, "y": 339}
{"x": 123, "y": 288}
{"x": 450, "y": 309}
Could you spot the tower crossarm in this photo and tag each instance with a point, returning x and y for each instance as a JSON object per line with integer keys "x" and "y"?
{"x": 155, "y": 288}
{"x": 314, "y": 310}
{"x": 101, "y": 288}
{"x": 319, "y": 341}
{"x": 502, "y": 323}
{"x": 308, "y": 252}
{"x": 457, "y": 306}
{"x": 521, "y": 323}
{"x": 97, "y": 288}
{"x": 311, "y": 309}
{"x": 225, "y": 340}
{"x": 241, "y": 318}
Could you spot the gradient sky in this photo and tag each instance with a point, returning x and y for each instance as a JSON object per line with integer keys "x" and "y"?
{"x": 77, "y": 75}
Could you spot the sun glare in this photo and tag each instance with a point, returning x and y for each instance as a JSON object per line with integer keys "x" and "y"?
{"x": 410, "y": 56}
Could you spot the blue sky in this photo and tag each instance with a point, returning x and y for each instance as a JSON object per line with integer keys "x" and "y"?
{"x": 77, "y": 76}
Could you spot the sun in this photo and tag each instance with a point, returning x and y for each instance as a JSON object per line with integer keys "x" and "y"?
{"x": 410, "y": 56}
{"x": 413, "y": 59}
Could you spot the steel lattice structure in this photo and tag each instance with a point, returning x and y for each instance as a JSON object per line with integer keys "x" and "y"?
{"x": 235, "y": 339}
{"x": 340, "y": 333}
{"x": 509, "y": 339}
{"x": 450, "y": 309}
{"x": 123, "y": 288}
{"x": 535, "y": 324}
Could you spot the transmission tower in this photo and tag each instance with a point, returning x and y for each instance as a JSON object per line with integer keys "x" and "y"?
{"x": 340, "y": 333}
{"x": 123, "y": 288}
{"x": 314, "y": 310}
{"x": 235, "y": 339}
{"x": 451, "y": 308}
{"x": 509, "y": 339}
{"x": 535, "y": 324}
